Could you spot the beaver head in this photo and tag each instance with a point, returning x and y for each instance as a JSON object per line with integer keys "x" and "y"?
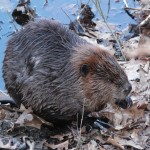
{"x": 102, "y": 78}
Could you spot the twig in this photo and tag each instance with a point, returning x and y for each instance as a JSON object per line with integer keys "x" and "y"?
{"x": 77, "y": 122}
{"x": 12, "y": 20}
{"x": 66, "y": 14}
{"x": 108, "y": 9}
{"x": 148, "y": 92}
{"x": 130, "y": 15}
{"x": 4, "y": 93}
{"x": 79, "y": 138}
{"x": 139, "y": 9}
{"x": 125, "y": 2}
{"x": 145, "y": 21}
{"x": 83, "y": 7}
{"x": 46, "y": 3}
{"x": 80, "y": 3}
{"x": 97, "y": 4}
{"x": 82, "y": 116}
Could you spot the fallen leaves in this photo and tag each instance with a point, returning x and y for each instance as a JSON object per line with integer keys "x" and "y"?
{"x": 29, "y": 119}
{"x": 121, "y": 118}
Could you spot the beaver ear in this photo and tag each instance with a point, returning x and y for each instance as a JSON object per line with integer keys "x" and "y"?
{"x": 84, "y": 69}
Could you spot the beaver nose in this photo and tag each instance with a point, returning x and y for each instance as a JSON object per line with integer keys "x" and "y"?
{"x": 128, "y": 88}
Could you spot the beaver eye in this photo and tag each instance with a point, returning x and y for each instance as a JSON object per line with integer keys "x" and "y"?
{"x": 84, "y": 70}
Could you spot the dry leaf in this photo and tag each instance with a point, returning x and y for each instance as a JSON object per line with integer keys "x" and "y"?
{"x": 25, "y": 116}
{"x": 60, "y": 137}
{"x": 147, "y": 117}
{"x": 131, "y": 68}
{"x": 2, "y": 114}
{"x": 28, "y": 119}
{"x": 22, "y": 108}
{"x": 137, "y": 137}
{"x": 30, "y": 143}
{"x": 60, "y": 146}
{"x": 92, "y": 145}
{"x": 117, "y": 141}
{"x": 137, "y": 47}
{"x": 146, "y": 67}
{"x": 8, "y": 145}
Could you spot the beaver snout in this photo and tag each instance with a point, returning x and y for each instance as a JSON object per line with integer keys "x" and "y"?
{"x": 128, "y": 88}
{"x": 126, "y": 103}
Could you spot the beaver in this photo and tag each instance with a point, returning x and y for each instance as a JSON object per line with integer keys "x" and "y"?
{"x": 57, "y": 73}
